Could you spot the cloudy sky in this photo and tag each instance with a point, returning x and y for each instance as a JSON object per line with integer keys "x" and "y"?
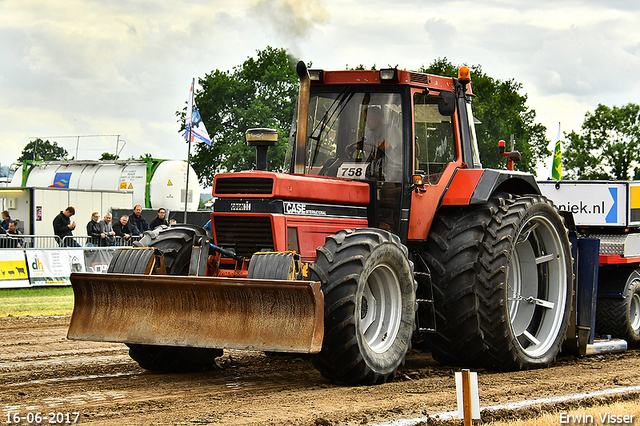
{"x": 124, "y": 67}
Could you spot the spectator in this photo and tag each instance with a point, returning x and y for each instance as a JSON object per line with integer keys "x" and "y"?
{"x": 160, "y": 219}
{"x": 93, "y": 231}
{"x": 14, "y": 242}
{"x": 107, "y": 235}
{"x": 6, "y": 219}
{"x": 137, "y": 221}
{"x": 63, "y": 227}
{"x": 123, "y": 228}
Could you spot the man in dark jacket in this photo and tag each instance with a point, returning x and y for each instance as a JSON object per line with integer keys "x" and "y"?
{"x": 12, "y": 233}
{"x": 63, "y": 227}
{"x": 6, "y": 219}
{"x": 160, "y": 219}
{"x": 136, "y": 220}
{"x": 124, "y": 229}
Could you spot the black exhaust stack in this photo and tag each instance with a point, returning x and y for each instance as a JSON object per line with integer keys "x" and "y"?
{"x": 262, "y": 139}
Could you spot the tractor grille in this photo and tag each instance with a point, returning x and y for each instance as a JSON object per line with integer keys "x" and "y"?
{"x": 419, "y": 78}
{"x": 244, "y": 185}
{"x": 244, "y": 234}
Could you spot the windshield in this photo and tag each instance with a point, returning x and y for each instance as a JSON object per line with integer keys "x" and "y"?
{"x": 355, "y": 135}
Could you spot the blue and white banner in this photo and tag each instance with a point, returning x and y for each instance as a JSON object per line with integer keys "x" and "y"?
{"x": 194, "y": 127}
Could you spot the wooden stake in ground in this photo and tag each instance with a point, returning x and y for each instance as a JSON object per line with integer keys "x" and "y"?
{"x": 467, "y": 393}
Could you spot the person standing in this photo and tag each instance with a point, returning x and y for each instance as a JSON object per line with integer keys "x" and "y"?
{"x": 93, "y": 231}
{"x": 107, "y": 234}
{"x": 63, "y": 227}
{"x": 160, "y": 219}
{"x": 6, "y": 219}
{"x": 137, "y": 221}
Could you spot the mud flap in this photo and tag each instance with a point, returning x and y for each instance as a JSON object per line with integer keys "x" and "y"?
{"x": 207, "y": 312}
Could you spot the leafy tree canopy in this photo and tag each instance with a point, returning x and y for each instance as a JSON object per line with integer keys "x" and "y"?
{"x": 501, "y": 111}
{"x": 108, "y": 156}
{"x": 145, "y": 156}
{"x": 44, "y": 150}
{"x": 607, "y": 146}
{"x": 261, "y": 92}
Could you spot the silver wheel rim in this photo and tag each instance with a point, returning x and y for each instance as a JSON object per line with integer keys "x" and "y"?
{"x": 381, "y": 309}
{"x": 537, "y": 286}
{"x": 634, "y": 312}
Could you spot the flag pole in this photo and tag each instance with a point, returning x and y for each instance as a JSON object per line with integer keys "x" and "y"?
{"x": 190, "y": 121}
{"x": 556, "y": 164}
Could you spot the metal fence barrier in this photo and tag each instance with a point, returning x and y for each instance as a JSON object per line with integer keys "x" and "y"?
{"x": 86, "y": 241}
{"x": 29, "y": 241}
{"x": 53, "y": 241}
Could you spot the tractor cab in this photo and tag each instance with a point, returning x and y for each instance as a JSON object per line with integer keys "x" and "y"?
{"x": 368, "y": 126}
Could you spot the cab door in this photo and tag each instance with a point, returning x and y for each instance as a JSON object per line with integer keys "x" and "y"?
{"x": 436, "y": 155}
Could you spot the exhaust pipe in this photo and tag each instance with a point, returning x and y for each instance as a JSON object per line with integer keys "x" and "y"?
{"x": 303, "y": 113}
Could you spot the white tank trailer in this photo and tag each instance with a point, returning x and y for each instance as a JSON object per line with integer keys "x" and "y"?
{"x": 155, "y": 183}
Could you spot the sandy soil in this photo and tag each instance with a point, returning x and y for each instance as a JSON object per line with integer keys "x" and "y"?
{"x": 42, "y": 371}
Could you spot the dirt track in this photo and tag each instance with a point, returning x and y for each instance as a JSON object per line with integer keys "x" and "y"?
{"x": 41, "y": 371}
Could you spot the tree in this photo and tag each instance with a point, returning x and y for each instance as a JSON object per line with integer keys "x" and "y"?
{"x": 259, "y": 93}
{"x": 607, "y": 146}
{"x": 145, "y": 156}
{"x": 501, "y": 111}
{"x": 108, "y": 156}
{"x": 44, "y": 150}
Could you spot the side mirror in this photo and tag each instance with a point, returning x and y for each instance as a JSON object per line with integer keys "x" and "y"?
{"x": 446, "y": 103}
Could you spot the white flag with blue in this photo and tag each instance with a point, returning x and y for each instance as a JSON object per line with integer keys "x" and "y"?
{"x": 194, "y": 127}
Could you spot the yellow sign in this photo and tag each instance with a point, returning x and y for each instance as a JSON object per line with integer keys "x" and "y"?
{"x": 635, "y": 197}
{"x": 123, "y": 185}
{"x": 169, "y": 183}
{"x": 13, "y": 270}
{"x": 130, "y": 186}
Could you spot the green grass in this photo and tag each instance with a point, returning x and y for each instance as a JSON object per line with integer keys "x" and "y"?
{"x": 36, "y": 301}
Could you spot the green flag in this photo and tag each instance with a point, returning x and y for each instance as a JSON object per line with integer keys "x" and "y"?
{"x": 556, "y": 167}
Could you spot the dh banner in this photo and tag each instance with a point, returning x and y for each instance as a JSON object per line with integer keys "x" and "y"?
{"x": 53, "y": 267}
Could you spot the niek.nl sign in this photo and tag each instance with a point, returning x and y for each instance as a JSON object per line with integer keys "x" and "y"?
{"x": 591, "y": 203}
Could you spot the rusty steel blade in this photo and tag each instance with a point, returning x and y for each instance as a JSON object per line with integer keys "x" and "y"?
{"x": 210, "y": 312}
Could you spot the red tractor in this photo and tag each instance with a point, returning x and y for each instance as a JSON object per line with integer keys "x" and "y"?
{"x": 385, "y": 231}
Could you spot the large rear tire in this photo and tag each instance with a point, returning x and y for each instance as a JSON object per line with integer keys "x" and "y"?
{"x": 370, "y": 305}
{"x": 503, "y": 292}
{"x": 175, "y": 243}
{"x": 620, "y": 317}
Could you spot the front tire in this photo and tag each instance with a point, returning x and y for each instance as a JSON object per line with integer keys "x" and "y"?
{"x": 370, "y": 304}
{"x": 175, "y": 243}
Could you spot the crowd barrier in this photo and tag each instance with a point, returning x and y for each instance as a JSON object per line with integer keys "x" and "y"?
{"x": 53, "y": 241}
{"x": 50, "y": 266}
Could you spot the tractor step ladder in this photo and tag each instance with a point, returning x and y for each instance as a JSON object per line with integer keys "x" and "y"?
{"x": 426, "y": 307}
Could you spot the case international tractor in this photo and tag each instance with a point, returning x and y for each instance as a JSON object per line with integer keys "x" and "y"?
{"x": 385, "y": 232}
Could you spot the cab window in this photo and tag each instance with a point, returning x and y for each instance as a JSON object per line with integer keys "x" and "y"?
{"x": 434, "y": 141}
